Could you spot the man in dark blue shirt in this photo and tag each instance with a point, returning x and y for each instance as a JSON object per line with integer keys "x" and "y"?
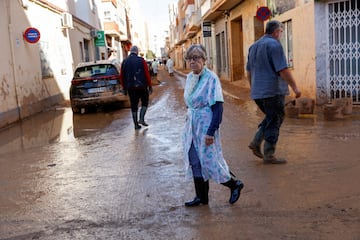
{"x": 269, "y": 77}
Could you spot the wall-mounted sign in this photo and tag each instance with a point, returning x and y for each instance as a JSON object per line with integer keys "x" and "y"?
{"x": 32, "y": 35}
{"x": 207, "y": 29}
{"x": 263, "y": 13}
{"x": 100, "y": 39}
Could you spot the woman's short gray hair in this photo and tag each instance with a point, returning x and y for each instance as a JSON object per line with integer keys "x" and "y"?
{"x": 272, "y": 25}
{"x": 196, "y": 47}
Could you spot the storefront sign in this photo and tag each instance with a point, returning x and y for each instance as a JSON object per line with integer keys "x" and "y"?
{"x": 32, "y": 35}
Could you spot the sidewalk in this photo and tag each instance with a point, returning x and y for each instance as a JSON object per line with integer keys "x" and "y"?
{"x": 239, "y": 90}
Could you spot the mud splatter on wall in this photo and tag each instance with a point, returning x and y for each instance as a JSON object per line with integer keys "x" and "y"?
{"x": 45, "y": 60}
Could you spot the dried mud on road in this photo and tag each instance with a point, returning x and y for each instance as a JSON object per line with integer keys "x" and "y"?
{"x": 93, "y": 177}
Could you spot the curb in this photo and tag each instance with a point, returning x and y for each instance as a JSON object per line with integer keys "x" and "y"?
{"x": 230, "y": 95}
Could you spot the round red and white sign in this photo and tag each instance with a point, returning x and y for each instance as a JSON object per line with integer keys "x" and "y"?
{"x": 32, "y": 35}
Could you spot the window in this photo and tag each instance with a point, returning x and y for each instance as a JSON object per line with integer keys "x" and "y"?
{"x": 218, "y": 55}
{"x": 86, "y": 50}
{"x": 221, "y": 63}
{"x": 92, "y": 6}
{"x": 287, "y": 42}
{"x": 107, "y": 16}
{"x": 223, "y": 52}
{"x": 81, "y": 51}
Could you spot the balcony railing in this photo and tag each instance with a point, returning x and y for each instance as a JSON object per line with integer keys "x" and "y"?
{"x": 112, "y": 28}
{"x": 218, "y": 7}
{"x": 194, "y": 21}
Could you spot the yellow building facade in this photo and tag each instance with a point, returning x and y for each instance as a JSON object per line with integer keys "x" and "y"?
{"x": 320, "y": 41}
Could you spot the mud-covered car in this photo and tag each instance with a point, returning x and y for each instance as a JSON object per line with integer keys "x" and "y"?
{"x": 96, "y": 84}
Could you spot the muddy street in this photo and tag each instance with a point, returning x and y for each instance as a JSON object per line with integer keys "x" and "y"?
{"x": 92, "y": 176}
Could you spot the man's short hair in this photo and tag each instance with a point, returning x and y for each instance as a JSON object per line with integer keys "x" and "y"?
{"x": 134, "y": 49}
{"x": 272, "y": 25}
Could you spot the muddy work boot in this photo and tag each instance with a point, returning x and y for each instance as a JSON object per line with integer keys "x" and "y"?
{"x": 269, "y": 154}
{"x": 255, "y": 144}
{"x": 256, "y": 150}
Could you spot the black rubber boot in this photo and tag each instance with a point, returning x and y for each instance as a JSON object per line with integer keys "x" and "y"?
{"x": 142, "y": 116}
{"x": 235, "y": 189}
{"x": 202, "y": 190}
{"x": 135, "y": 119}
{"x": 205, "y": 193}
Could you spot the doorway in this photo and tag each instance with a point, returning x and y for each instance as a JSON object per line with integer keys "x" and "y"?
{"x": 237, "y": 50}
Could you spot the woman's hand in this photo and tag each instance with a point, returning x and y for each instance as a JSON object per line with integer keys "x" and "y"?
{"x": 209, "y": 140}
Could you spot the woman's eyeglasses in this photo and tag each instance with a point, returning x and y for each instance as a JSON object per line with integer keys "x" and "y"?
{"x": 194, "y": 58}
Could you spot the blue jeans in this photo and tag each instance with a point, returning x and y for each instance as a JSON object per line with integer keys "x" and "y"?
{"x": 274, "y": 110}
{"x": 195, "y": 162}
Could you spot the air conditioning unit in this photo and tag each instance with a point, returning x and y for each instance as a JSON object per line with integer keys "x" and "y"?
{"x": 66, "y": 20}
{"x": 93, "y": 33}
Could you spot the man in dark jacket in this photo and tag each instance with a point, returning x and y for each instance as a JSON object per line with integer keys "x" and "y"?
{"x": 136, "y": 81}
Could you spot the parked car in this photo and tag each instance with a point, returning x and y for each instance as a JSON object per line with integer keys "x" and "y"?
{"x": 96, "y": 84}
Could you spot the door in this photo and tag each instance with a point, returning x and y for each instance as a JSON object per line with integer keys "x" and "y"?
{"x": 344, "y": 50}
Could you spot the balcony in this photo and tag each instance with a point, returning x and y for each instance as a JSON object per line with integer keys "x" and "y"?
{"x": 218, "y": 7}
{"x": 179, "y": 39}
{"x": 124, "y": 37}
{"x": 194, "y": 23}
{"x": 112, "y": 29}
{"x": 112, "y": 1}
{"x": 193, "y": 26}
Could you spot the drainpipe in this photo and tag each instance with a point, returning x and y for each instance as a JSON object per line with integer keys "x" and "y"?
{"x": 227, "y": 46}
{"x": 12, "y": 60}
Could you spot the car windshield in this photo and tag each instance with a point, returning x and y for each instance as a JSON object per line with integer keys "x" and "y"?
{"x": 95, "y": 70}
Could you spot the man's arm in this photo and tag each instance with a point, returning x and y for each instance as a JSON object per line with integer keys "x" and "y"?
{"x": 122, "y": 76}
{"x": 249, "y": 77}
{"x": 147, "y": 73}
{"x": 287, "y": 76}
